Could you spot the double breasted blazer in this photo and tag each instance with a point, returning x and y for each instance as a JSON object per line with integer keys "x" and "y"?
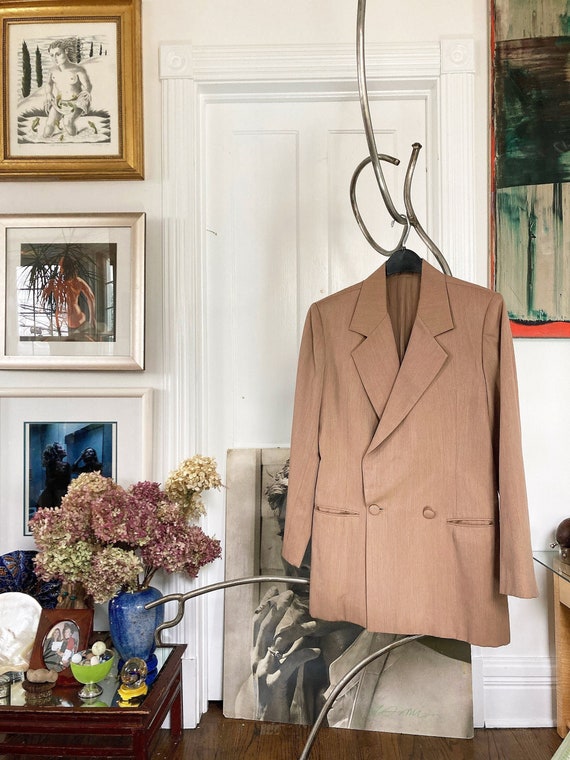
{"x": 406, "y": 472}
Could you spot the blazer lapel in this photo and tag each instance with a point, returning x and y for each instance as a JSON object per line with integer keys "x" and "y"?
{"x": 393, "y": 389}
{"x": 376, "y": 358}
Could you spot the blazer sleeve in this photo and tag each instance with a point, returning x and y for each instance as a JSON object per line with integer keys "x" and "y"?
{"x": 516, "y": 566}
{"x": 304, "y": 457}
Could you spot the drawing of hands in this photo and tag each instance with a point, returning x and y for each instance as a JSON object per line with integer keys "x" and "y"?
{"x": 279, "y": 653}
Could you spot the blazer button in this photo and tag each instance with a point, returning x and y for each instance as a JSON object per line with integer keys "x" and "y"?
{"x": 428, "y": 513}
{"x": 374, "y": 509}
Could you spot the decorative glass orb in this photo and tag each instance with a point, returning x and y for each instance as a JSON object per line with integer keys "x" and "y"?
{"x": 133, "y": 673}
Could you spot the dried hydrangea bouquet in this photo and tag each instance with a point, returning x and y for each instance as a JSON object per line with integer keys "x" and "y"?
{"x": 112, "y": 540}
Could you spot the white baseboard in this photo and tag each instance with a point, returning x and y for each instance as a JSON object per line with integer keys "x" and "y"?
{"x": 514, "y": 692}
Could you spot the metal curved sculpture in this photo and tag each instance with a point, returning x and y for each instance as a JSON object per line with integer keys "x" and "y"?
{"x": 410, "y": 218}
{"x": 181, "y": 599}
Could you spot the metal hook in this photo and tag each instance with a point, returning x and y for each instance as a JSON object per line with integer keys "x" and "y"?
{"x": 411, "y": 214}
{"x": 410, "y": 219}
{"x": 358, "y": 216}
{"x": 181, "y": 599}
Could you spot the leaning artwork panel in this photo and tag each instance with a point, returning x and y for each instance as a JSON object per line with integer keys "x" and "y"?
{"x": 280, "y": 664}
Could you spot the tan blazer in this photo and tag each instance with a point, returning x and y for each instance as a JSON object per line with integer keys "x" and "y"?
{"x": 406, "y": 467}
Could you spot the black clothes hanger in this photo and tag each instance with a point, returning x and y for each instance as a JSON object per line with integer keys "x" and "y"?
{"x": 404, "y": 261}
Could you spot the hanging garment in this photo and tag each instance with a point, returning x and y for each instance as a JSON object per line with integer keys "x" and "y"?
{"x": 406, "y": 471}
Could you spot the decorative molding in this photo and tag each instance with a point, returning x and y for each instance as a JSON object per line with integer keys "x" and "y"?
{"x": 295, "y": 63}
{"x": 181, "y": 337}
{"x": 176, "y": 61}
{"x": 458, "y": 56}
{"x": 457, "y": 119}
{"x": 315, "y": 63}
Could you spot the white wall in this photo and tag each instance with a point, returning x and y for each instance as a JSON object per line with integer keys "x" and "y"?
{"x": 514, "y": 683}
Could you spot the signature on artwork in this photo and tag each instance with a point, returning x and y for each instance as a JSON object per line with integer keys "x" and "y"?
{"x": 403, "y": 712}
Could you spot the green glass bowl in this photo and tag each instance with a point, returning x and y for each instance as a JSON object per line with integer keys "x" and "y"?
{"x": 90, "y": 675}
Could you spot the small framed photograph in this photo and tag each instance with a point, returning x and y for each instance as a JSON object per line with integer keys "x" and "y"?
{"x": 73, "y": 288}
{"x": 61, "y": 633}
{"x": 50, "y": 436}
{"x": 55, "y": 453}
{"x": 71, "y": 84}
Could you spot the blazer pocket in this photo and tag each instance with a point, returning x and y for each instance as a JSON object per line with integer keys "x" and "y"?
{"x": 334, "y": 510}
{"x": 471, "y": 522}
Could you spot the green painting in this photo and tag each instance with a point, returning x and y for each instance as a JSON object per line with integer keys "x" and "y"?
{"x": 531, "y": 163}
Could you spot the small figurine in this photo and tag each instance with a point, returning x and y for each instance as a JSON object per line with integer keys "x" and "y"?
{"x": 133, "y": 684}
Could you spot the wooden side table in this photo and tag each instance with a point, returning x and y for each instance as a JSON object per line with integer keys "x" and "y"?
{"x": 68, "y": 727}
{"x": 561, "y": 576}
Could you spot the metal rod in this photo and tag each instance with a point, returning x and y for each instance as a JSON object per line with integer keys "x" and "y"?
{"x": 345, "y": 680}
{"x": 410, "y": 219}
{"x": 356, "y": 211}
{"x": 183, "y": 598}
{"x": 365, "y": 108}
{"x": 411, "y": 214}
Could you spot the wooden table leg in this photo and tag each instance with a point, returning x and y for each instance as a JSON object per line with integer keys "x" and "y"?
{"x": 176, "y": 716}
{"x": 140, "y": 746}
{"x": 562, "y": 640}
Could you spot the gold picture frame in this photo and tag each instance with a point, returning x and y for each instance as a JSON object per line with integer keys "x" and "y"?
{"x": 71, "y": 84}
{"x": 74, "y": 291}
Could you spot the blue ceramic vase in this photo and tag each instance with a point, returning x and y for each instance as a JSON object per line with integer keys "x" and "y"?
{"x": 131, "y": 626}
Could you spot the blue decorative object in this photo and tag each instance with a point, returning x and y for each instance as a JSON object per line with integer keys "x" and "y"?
{"x": 17, "y": 574}
{"x": 132, "y": 627}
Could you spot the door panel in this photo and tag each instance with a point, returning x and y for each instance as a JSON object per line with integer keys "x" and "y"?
{"x": 281, "y": 234}
{"x": 278, "y": 234}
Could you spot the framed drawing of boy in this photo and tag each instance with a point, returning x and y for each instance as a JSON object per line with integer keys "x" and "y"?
{"x": 71, "y": 83}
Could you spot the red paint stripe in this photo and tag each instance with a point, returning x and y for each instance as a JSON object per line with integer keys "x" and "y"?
{"x": 545, "y": 330}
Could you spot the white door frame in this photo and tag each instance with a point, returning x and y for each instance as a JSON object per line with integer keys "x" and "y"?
{"x": 190, "y": 75}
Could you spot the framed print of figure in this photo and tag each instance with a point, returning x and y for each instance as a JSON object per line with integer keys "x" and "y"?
{"x": 73, "y": 289}
{"x": 72, "y": 90}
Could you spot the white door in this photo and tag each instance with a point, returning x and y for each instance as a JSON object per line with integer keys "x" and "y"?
{"x": 279, "y": 234}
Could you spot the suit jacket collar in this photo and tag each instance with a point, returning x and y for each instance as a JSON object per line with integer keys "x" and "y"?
{"x": 433, "y": 306}
{"x": 394, "y": 389}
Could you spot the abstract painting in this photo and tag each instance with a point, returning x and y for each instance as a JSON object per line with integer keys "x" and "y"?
{"x": 530, "y": 267}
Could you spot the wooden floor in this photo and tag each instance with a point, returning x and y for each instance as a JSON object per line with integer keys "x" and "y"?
{"x": 219, "y": 738}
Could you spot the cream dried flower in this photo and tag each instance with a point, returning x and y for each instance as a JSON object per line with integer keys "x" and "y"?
{"x": 185, "y": 484}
